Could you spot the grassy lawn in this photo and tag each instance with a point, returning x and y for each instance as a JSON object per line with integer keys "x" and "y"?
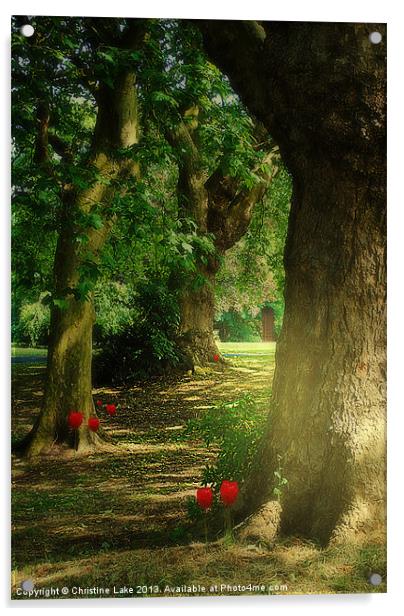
{"x": 17, "y": 351}
{"x": 119, "y": 516}
{"x": 267, "y": 348}
{"x": 261, "y": 348}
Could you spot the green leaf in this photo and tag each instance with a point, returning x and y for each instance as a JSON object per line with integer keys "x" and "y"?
{"x": 83, "y": 290}
{"x": 61, "y": 303}
{"x": 82, "y": 238}
{"x": 187, "y": 247}
{"x": 95, "y": 221}
{"x": 107, "y": 56}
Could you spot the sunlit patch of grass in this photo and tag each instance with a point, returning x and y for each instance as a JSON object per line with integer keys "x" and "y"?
{"x": 247, "y": 347}
{"x": 17, "y": 351}
{"x": 330, "y": 570}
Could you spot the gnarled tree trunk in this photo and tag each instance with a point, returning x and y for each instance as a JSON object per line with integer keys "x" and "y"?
{"x": 320, "y": 91}
{"x": 68, "y": 378}
{"x": 221, "y": 207}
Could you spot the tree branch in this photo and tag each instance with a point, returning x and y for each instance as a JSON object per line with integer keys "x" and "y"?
{"x": 231, "y": 209}
{"x": 192, "y": 195}
{"x": 60, "y": 147}
{"x": 237, "y": 48}
{"x": 41, "y": 153}
{"x": 184, "y": 147}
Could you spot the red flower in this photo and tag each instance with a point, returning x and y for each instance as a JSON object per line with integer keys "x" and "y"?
{"x": 229, "y": 492}
{"x": 216, "y": 357}
{"x": 204, "y": 497}
{"x": 111, "y": 409}
{"x": 99, "y": 403}
{"x": 93, "y": 424}
{"x": 75, "y": 419}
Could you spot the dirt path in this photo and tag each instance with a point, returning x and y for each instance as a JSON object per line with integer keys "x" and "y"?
{"x": 134, "y": 494}
{"x": 120, "y": 516}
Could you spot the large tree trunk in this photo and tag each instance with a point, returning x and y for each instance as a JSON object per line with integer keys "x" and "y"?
{"x": 197, "y": 302}
{"x": 328, "y": 414}
{"x": 68, "y": 379}
{"x": 197, "y": 313}
{"x": 326, "y": 429}
{"x": 220, "y": 207}
{"x": 68, "y": 384}
{"x": 320, "y": 90}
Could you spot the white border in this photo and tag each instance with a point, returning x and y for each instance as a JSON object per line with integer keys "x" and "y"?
{"x": 310, "y": 10}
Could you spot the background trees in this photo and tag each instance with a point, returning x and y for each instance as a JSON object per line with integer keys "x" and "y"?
{"x": 84, "y": 178}
{"x": 159, "y": 253}
{"x": 225, "y": 165}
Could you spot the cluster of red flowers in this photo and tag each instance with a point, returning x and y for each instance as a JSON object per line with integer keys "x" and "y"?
{"x": 228, "y": 495}
{"x": 75, "y": 418}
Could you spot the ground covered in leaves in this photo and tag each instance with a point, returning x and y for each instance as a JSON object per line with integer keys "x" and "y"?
{"x": 118, "y": 519}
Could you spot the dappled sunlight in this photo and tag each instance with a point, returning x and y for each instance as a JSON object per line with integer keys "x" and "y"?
{"x": 105, "y": 391}
{"x": 187, "y": 473}
{"x": 175, "y": 495}
{"x": 102, "y": 516}
{"x": 139, "y": 448}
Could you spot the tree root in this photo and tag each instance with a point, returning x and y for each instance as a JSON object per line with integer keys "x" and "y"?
{"x": 261, "y": 526}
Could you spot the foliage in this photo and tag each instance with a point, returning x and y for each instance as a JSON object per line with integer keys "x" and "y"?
{"x": 252, "y": 274}
{"x": 113, "y": 302}
{"x": 233, "y": 430}
{"x": 57, "y": 70}
{"x": 44, "y": 82}
{"x": 33, "y": 324}
{"x": 181, "y": 84}
{"x": 147, "y": 345}
{"x": 56, "y": 74}
{"x": 239, "y": 327}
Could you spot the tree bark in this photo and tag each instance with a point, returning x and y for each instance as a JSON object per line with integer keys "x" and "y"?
{"x": 320, "y": 91}
{"x": 197, "y": 313}
{"x": 195, "y": 332}
{"x": 222, "y": 208}
{"x": 68, "y": 378}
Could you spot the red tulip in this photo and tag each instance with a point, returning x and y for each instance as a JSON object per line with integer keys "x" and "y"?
{"x": 229, "y": 492}
{"x": 111, "y": 409}
{"x": 99, "y": 403}
{"x": 75, "y": 419}
{"x": 204, "y": 498}
{"x": 216, "y": 357}
{"x": 93, "y": 424}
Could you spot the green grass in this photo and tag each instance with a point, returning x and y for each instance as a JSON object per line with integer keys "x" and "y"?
{"x": 224, "y": 347}
{"x": 296, "y": 567}
{"x": 17, "y": 351}
{"x": 247, "y": 347}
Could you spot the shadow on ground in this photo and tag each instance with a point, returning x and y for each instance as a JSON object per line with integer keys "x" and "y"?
{"x": 120, "y": 516}
{"x": 134, "y": 494}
